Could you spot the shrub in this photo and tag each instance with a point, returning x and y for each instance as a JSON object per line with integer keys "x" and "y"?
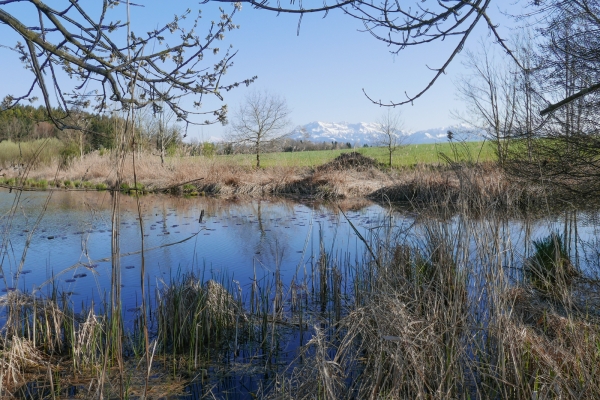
{"x": 208, "y": 149}
{"x": 101, "y": 186}
{"x": 68, "y": 154}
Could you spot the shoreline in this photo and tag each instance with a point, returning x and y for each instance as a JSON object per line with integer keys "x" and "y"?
{"x": 343, "y": 178}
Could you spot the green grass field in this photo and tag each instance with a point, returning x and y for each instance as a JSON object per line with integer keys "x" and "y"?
{"x": 403, "y": 157}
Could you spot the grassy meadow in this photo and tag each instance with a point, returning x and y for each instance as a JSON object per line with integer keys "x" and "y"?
{"x": 45, "y": 152}
{"x": 404, "y": 156}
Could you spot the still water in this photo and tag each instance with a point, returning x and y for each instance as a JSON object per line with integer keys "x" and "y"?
{"x": 62, "y": 240}
{"x": 67, "y": 246}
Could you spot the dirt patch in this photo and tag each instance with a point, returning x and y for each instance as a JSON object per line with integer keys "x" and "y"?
{"x": 351, "y": 160}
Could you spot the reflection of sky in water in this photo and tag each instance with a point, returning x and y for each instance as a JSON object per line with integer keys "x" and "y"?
{"x": 234, "y": 239}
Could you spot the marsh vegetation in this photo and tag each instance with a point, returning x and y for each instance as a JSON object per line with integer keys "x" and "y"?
{"x": 444, "y": 299}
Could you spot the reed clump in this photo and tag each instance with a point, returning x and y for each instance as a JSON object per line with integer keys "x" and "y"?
{"x": 549, "y": 269}
{"x": 437, "y": 316}
{"x": 42, "y": 334}
{"x": 194, "y": 317}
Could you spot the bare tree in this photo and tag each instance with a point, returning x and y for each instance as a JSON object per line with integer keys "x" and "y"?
{"x": 260, "y": 120}
{"x": 564, "y": 153}
{"x": 390, "y": 125}
{"x": 490, "y": 90}
{"x": 112, "y": 64}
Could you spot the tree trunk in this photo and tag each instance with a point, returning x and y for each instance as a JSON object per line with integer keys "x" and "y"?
{"x": 81, "y": 145}
{"x": 161, "y": 143}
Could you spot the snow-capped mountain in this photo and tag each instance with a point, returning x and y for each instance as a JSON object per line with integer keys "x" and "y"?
{"x": 359, "y": 134}
{"x": 342, "y": 132}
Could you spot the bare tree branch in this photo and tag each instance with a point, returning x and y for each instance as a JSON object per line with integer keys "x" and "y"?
{"x": 88, "y": 48}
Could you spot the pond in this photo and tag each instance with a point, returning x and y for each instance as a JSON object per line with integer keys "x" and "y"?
{"x": 68, "y": 245}
{"x": 60, "y": 242}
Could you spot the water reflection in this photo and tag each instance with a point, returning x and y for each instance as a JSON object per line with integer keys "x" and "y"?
{"x": 69, "y": 249}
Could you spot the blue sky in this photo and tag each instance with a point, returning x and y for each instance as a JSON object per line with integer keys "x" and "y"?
{"x": 320, "y": 72}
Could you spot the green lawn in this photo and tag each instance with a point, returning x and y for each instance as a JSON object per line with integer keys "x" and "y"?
{"x": 405, "y": 156}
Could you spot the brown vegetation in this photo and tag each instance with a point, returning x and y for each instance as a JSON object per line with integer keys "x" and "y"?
{"x": 349, "y": 176}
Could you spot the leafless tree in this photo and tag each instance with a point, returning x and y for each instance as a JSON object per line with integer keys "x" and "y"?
{"x": 77, "y": 118}
{"x": 112, "y": 64}
{"x": 260, "y": 120}
{"x": 559, "y": 149}
{"x": 390, "y": 126}
{"x": 167, "y": 133}
{"x": 565, "y": 154}
{"x": 489, "y": 89}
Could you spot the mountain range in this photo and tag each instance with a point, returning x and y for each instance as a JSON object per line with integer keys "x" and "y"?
{"x": 359, "y": 134}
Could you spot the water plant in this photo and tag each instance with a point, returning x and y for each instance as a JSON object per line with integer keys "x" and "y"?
{"x": 549, "y": 269}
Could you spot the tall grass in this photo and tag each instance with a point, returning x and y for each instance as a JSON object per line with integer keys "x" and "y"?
{"x": 437, "y": 315}
{"x": 434, "y": 312}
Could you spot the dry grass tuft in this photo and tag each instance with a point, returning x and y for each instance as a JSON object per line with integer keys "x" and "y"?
{"x": 19, "y": 356}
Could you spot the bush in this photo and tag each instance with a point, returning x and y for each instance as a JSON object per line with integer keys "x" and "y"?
{"x": 101, "y": 186}
{"x": 126, "y": 188}
{"x": 208, "y": 149}
{"x": 68, "y": 154}
{"x": 188, "y": 187}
